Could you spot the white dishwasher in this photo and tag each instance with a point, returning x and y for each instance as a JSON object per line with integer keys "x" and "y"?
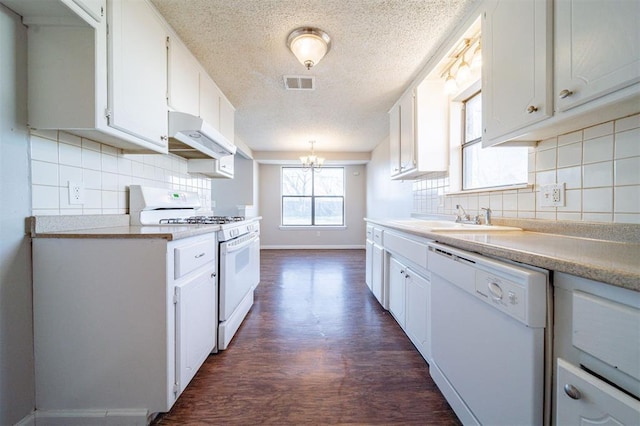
{"x": 488, "y": 337}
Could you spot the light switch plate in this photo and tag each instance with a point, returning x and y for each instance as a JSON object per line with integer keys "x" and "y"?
{"x": 552, "y": 195}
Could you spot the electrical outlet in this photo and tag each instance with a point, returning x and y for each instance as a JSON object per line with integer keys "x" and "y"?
{"x": 552, "y": 195}
{"x": 76, "y": 193}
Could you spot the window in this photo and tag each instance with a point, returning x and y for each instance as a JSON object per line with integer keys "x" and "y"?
{"x": 488, "y": 167}
{"x": 312, "y": 198}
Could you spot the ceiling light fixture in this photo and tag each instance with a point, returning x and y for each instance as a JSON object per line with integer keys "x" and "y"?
{"x": 309, "y": 45}
{"x": 463, "y": 70}
{"x": 312, "y": 161}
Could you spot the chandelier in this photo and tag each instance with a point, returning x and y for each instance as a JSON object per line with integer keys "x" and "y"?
{"x": 312, "y": 161}
{"x": 309, "y": 45}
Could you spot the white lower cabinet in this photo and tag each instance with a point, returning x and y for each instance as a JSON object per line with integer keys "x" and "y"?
{"x": 418, "y": 308}
{"x": 397, "y": 290}
{"x": 121, "y": 325}
{"x": 378, "y": 274}
{"x": 596, "y": 353}
{"x": 397, "y": 274}
{"x": 410, "y": 304}
{"x": 585, "y": 399}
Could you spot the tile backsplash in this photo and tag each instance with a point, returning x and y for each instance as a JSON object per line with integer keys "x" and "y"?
{"x": 104, "y": 171}
{"x": 599, "y": 165}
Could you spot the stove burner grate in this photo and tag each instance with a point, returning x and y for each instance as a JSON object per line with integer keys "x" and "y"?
{"x": 201, "y": 220}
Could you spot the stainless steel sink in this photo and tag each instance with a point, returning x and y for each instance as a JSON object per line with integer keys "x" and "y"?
{"x": 451, "y": 226}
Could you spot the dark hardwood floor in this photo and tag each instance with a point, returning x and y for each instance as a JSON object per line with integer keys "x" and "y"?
{"x": 316, "y": 348}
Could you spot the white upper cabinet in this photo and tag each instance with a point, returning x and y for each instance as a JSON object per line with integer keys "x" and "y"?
{"x": 95, "y": 8}
{"x": 597, "y": 49}
{"x": 183, "y": 87}
{"x": 112, "y": 92}
{"x": 137, "y": 71}
{"x": 210, "y": 97}
{"x": 407, "y": 133}
{"x": 418, "y": 135}
{"x": 402, "y": 136}
{"x": 394, "y": 140}
{"x": 227, "y": 119}
{"x": 213, "y": 168}
{"x": 516, "y": 61}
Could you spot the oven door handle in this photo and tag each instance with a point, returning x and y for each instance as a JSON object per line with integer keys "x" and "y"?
{"x": 241, "y": 242}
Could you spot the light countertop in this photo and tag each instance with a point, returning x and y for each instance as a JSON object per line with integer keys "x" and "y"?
{"x": 110, "y": 226}
{"x": 612, "y": 262}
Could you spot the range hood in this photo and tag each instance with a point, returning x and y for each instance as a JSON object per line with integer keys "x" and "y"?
{"x": 193, "y": 138}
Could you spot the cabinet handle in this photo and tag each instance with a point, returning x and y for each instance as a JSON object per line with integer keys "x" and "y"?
{"x": 164, "y": 138}
{"x": 198, "y": 256}
{"x": 213, "y": 275}
{"x": 531, "y": 109}
{"x": 565, "y": 93}
{"x": 572, "y": 391}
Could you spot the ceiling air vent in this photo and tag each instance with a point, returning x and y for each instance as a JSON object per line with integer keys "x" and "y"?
{"x": 299, "y": 82}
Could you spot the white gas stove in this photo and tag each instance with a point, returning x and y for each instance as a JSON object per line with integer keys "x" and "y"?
{"x": 238, "y": 259}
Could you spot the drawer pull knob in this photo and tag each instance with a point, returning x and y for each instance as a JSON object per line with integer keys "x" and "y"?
{"x": 532, "y": 109}
{"x": 572, "y": 391}
{"x": 198, "y": 256}
{"x": 565, "y": 93}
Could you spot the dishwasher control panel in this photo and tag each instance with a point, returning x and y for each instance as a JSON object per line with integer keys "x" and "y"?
{"x": 503, "y": 294}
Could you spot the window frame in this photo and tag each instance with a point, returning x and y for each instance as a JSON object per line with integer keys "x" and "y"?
{"x": 462, "y": 99}
{"x": 313, "y": 198}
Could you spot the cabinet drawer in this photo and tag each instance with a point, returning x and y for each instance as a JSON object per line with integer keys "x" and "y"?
{"x": 377, "y": 236}
{"x": 412, "y": 250}
{"x": 370, "y": 233}
{"x": 594, "y": 401}
{"x": 192, "y": 256}
{"x": 607, "y": 330}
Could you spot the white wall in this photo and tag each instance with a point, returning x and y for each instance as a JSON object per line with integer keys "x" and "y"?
{"x": 228, "y": 194}
{"x": 17, "y": 398}
{"x": 355, "y": 206}
{"x": 386, "y": 198}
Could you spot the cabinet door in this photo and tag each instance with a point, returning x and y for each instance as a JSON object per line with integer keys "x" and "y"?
{"x": 595, "y": 402}
{"x": 516, "y": 61}
{"x": 394, "y": 140}
{"x": 227, "y": 119}
{"x": 209, "y": 101}
{"x": 183, "y": 78}
{"x": 195, "y": 324}
{"x": 226, "y": 165}
{"x": 417, "y": 311}
{"x": 596, "y": 49}
{"x": 368, "y": 263}
{"x": 377, "y": 274}
{"x": 407, "y": 133}
{"x": 397, "y": 274}
{"x": 137, "y": 71}
{"x": 95, "y": 8}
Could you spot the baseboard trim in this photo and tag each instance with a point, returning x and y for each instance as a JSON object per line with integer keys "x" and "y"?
{"x": 29, "y": 420}
{"x": 86, "y": 417}
{"x": 311, "y": 247}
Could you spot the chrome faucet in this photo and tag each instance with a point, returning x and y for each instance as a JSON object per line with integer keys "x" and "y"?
{"x": 487, "y": 215}
{"x": 461, "y": 214}
{"x": 463, "y": 217}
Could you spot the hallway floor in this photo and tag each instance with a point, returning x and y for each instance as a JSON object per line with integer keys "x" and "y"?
{"x": 316, "y": 348}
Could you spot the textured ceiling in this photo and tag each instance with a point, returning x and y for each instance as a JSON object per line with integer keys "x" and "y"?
{"x": 378, "y": 48}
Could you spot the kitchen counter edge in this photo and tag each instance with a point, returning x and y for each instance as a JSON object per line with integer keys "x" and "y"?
{"x": 114, "y": 227}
